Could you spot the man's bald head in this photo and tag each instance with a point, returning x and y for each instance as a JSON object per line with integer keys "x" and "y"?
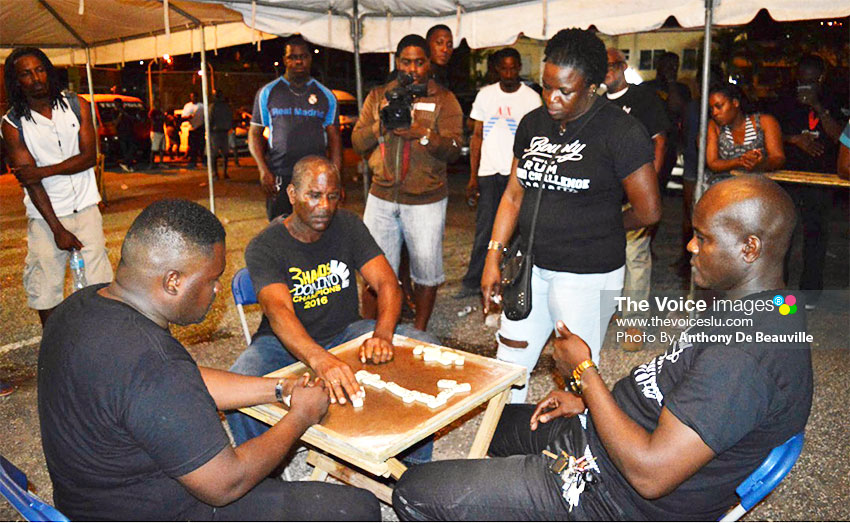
{"x": 310, "y": 166}
{"x": 754, "y": 205}
{"x": 742, "y": 229}
{"x": 167, "y": 232}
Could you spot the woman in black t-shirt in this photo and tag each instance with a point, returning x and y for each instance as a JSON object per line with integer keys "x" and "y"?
{"x": 586, "y": 153}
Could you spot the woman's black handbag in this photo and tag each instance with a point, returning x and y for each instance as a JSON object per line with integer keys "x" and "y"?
{"x": 516, "y": 266}
{"x": 518, "y": 259}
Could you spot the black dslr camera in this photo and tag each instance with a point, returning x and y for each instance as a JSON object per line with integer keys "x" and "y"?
{"x": 398, "y": 113}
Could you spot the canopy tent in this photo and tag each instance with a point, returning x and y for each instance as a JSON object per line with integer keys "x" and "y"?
{"x": 118, "y": 30}
{"x": 487, "y": 23}
{"x": 113, "y": 31}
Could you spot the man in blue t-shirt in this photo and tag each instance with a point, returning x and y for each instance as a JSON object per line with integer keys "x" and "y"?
{"x": 674, "y": 438}
{"x": 302, "y": 118}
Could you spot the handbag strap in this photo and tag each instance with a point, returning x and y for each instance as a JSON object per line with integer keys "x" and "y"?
{"x": 551, "y": 162}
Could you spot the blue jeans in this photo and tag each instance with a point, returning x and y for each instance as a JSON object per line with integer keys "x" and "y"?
{"x": 267, "y": 353}
{"x": 420, "y": 227}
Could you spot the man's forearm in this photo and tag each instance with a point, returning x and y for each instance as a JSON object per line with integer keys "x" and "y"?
{"x": 257, "y": 146}
{"x": 257, "y": 457}
{"x": 73, "y": 165}
{"x": 292, "y": 334}
{"x": 233, "y": 391}
{"x": 474, "y": 156}
{"x": 626, "y": 442}
{"x": 41, "y": 201}
{"x": 660, "y": 142}
{"x": 389, "y": 307}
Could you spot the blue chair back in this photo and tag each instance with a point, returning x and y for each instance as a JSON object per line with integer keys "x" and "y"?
{"x": 243, "y": 289}
{"x": 764, "y": 479}
{"x": 14, "y": 487}
{"x": 243, "y": 294}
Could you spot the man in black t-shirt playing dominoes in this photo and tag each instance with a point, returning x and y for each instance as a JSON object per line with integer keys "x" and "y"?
{"x": 129, "y": 422}
{"x": 675, "y": 437}
{"x": 302, "y": 268}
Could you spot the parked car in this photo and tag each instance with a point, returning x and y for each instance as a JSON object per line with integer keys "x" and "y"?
{"x": 106, "y": 112}
{"x": 348, "y": 114}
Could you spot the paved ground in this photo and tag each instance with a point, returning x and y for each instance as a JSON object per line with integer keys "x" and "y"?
{"x": 817, "y": 489}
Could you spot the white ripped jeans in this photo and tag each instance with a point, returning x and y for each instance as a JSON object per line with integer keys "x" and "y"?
{"x": 576, "y": 299}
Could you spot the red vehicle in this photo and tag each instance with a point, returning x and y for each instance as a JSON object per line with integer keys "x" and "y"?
{"x": 107, "y": 112}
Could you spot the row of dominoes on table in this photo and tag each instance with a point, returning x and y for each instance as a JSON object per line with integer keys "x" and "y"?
{"x": 448, "y": 388}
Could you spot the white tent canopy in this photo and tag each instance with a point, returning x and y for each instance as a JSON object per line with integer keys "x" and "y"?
{"x": 488, "y": 23}
{"x": 117, "y": 30}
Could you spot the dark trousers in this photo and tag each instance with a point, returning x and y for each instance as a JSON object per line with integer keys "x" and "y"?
{"x": 814, "y": 204}
{"x": 275, "y": 500}
{"x": 514, "y": 485}
{"x": 196, "y": 145}
{"x": 278, "y": 205}
{"x": 491, "y": 188}
{"x": 127, "y": 144}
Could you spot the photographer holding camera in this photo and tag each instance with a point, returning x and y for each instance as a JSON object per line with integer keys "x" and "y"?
{"x": 410, "y": 128}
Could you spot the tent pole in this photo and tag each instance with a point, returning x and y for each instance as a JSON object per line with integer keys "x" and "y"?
{"x": 92, "y": 104}
{"x": 359, "y": 82}
{"x": 102, "y": 189}
{"x": 207, "y": 149}
{"x": 703, "y": 115}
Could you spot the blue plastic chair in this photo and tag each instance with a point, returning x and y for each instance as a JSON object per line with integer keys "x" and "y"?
{"x": 760, "y": 483}
{"x": 14, "y": 487}
{"x": 243, "y": 294}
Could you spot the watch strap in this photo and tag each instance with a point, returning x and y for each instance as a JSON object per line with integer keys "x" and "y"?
{"x": 278, "y": 390}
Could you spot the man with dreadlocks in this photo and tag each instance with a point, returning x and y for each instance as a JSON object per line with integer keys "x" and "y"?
{"x": 51, "y": 143}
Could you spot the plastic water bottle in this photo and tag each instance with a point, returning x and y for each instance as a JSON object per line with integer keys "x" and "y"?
{"x": 78, "y": 270}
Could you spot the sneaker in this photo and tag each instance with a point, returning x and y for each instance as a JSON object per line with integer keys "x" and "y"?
{"x": 6, "y": 388}
{"x": 466, "y": 292}
{"x": 633, "y": 341}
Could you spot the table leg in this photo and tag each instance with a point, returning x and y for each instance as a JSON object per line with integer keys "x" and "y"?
{"x": 319, "y": 474}
{"x": 396, "y": 467}
{"x": 349, "y": 476}
{"x": 488, "y": 425}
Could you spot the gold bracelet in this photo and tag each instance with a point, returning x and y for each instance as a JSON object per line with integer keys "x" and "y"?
{"x": 574, "y": 381}
{"x": 495, "y": 246}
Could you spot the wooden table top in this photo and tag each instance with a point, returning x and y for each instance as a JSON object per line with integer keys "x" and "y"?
{"x": 385, "y": 425}
{"x": 803, "y": 177}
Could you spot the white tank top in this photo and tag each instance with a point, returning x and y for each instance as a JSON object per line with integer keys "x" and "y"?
{"x": 52, "y": 141}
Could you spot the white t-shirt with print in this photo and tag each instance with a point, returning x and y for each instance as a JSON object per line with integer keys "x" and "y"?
{"x": 500, "y": 113}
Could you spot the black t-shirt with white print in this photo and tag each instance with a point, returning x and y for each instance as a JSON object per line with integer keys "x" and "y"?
{"x": 644, "y": 105}
{"x": 580, "y": 225}
{"x": 742, "y": 398}
{"x": 320, "y": 275}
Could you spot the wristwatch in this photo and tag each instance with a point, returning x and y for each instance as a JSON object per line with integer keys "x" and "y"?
{"x": 574, "y": 382}
{"x": 278, "y": 390}
{"x": 425, "y": 139}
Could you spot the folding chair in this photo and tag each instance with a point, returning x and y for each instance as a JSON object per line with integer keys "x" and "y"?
{"x": 243, "y": 294}
{"x": 14, "y": 487}
{"x": 760, "y": 483}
